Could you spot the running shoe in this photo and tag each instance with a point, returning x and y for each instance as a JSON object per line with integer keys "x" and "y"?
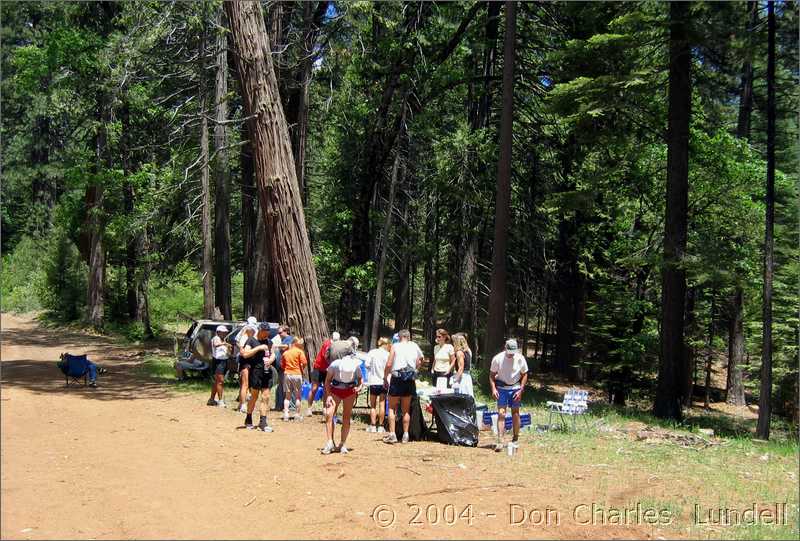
{"x": 381, "y": 430}
{"x": 405, "y": 437}
{"x": 220, "y": 403}
{"x": 211, "y": 402}
{"x": 92, "y": 384}
{"x": 391, "y": 437}
{"x": 285, "y": 417}
{"x": 498, "y": 447}
{"x": 344, "y": 450}
{"x": 309, "y": 413}
{"x": 371, "y": 428}
{"x": 329, "y": 448}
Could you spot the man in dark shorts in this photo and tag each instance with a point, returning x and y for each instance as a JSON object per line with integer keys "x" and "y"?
{"x": 257, "y": 351}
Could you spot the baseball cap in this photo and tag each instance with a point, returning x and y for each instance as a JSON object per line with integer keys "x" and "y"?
{"x": 252, "y": 321}
{"x": 354, "y": 341}
{"x": 249, "y": 327}
{"x": 511, "y": 345}
{"x": 335, "y": 336}
{"x": 263, "y": 326}
{"x": 222, "y": 328}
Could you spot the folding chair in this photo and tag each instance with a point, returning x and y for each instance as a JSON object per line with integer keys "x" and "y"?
{"x": 74, "y": 368}
{"x": 575, "y": 404}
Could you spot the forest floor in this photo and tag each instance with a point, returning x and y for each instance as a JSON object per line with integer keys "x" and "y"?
{"x": 138, "y": 458}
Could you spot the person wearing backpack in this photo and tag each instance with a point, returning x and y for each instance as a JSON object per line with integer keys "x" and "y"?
{"x": 343, "y": 382}
{"x": 402, "y": 365}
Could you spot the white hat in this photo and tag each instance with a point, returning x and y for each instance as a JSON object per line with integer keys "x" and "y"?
{"x": 222, "y": 328}
{"x": 335, "y": 336}
{"x": 250, "y": 327}
{"x": 511, "y": 345}
{"x": 354, "y": 341}
{"x": 252, "y": 320}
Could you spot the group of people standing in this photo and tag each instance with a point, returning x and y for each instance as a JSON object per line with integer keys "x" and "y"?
{"x": 391, "y": 371}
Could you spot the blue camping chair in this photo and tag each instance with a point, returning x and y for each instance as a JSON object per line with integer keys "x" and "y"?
{"x": 74, "y": 368}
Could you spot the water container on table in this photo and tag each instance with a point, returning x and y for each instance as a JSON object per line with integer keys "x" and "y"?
{"x": 305, "y": 390}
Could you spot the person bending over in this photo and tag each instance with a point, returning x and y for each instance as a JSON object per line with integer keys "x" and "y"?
{"x": 320, "y": 371}
{"x": 507, "y": 376}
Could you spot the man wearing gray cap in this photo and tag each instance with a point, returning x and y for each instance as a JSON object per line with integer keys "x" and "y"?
{"x": 507, "y": 377}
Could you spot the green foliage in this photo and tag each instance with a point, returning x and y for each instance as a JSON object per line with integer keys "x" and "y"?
{"x": 65, "y": 279}
{"x": 23, "y": 277}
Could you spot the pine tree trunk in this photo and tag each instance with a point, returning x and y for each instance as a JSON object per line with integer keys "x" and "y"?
{"x": 430, "y": 277}
{"x": 248, "y": 203}
{"x": 736, "y": 350}
{"x": 281, "y": 205}
{"x": 222, "y": 229}
{"x": 735, "y": 387}
{"x": 765, "y": 396}
{"x": 96, "y": 219}
{"x": 207, "y": 267}
{"x": 746, "y": 95}
{"x": 710, "y": 350}
{"x": 131, "y": 263}
{"x": 687, "y": 384}
{"x": 495, "y": 328}
{"x": 673, "y": 295}
{"x": 385, "y": 238}
{"x": 142, "y": 284}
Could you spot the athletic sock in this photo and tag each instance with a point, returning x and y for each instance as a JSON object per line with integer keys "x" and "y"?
{"x": 248, "y": 420}
{"x": 263, "y": 422}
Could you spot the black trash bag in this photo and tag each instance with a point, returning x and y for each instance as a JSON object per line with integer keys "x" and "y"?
{"x": 417, "y": 429}
{"x": 455, "y": 419}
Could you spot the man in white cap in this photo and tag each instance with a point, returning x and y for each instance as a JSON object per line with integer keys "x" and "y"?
{"x": 507, "y": 377}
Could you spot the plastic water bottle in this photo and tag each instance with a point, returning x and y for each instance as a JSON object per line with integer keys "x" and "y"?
{"x": 510, "y": 447}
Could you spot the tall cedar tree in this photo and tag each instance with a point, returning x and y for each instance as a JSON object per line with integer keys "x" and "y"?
{"x": 276, "y": 177}
{"x": 671, "y": 368}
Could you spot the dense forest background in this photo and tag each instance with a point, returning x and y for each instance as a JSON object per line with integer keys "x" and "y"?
{"x": 129, "y": 197}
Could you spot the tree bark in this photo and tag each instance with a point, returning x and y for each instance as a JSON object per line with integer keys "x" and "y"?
{"x": 207, "y": 267}
{"x": 710, "y": 349}
{"x": 687, "y": 384}
{"x": 249, "y": 219}
{"x": 222, "y": 230}
{"x": 746, "y": 95}
{"x": 131, "y": 263}
{"x": 281, "y": 205}
{"x": 142, "y": 284}
{"x": 430, "y": 275}
{"x": 765, "y": 395}
{"x": 673, "y": 295}
{"x": 96, "y": 220}
{"x": 734, "y": 386}
{"x": 736, "y": 342}
{"x": 497, "y": 298}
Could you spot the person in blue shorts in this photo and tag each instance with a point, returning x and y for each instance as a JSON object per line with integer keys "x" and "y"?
{"x": 507, "y": 377}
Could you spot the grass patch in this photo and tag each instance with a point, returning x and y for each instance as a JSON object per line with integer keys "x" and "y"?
{"x": 161, "y": 369}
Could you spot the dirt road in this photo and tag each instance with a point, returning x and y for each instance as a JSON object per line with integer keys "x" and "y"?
{"x": 130, "y": 459}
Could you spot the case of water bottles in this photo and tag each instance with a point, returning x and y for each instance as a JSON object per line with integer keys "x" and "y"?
{"x": 490, "y": 420}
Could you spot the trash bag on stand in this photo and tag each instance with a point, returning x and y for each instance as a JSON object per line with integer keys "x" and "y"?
{"x": 455, "y": 419}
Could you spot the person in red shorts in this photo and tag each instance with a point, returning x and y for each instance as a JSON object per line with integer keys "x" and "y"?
{"x": 320, "y": 371}
{"x": 342, "y": 385}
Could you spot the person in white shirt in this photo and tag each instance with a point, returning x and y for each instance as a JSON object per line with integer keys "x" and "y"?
{"x": 444, "y": 357}
{"x": 462, "y": 379}
{"x": 507, "y": 377}
{"x": 244, "y": 365}
{"x": 376, "y": 364}
{"x": 343, "y": 382}
{"x": 402, "y": 365}
{"x": 220, "y": 351}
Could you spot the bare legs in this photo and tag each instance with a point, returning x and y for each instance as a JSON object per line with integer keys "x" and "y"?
{"x": 405, "y": 407}
{"x": 347, "y": 412}
{"x": 244, "y": 384}
{"x": 376, "y": 413}
{"x": 217, "y": 386}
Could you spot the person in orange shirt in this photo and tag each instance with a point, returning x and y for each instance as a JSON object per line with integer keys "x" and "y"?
{"x": 294, "y": 362}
